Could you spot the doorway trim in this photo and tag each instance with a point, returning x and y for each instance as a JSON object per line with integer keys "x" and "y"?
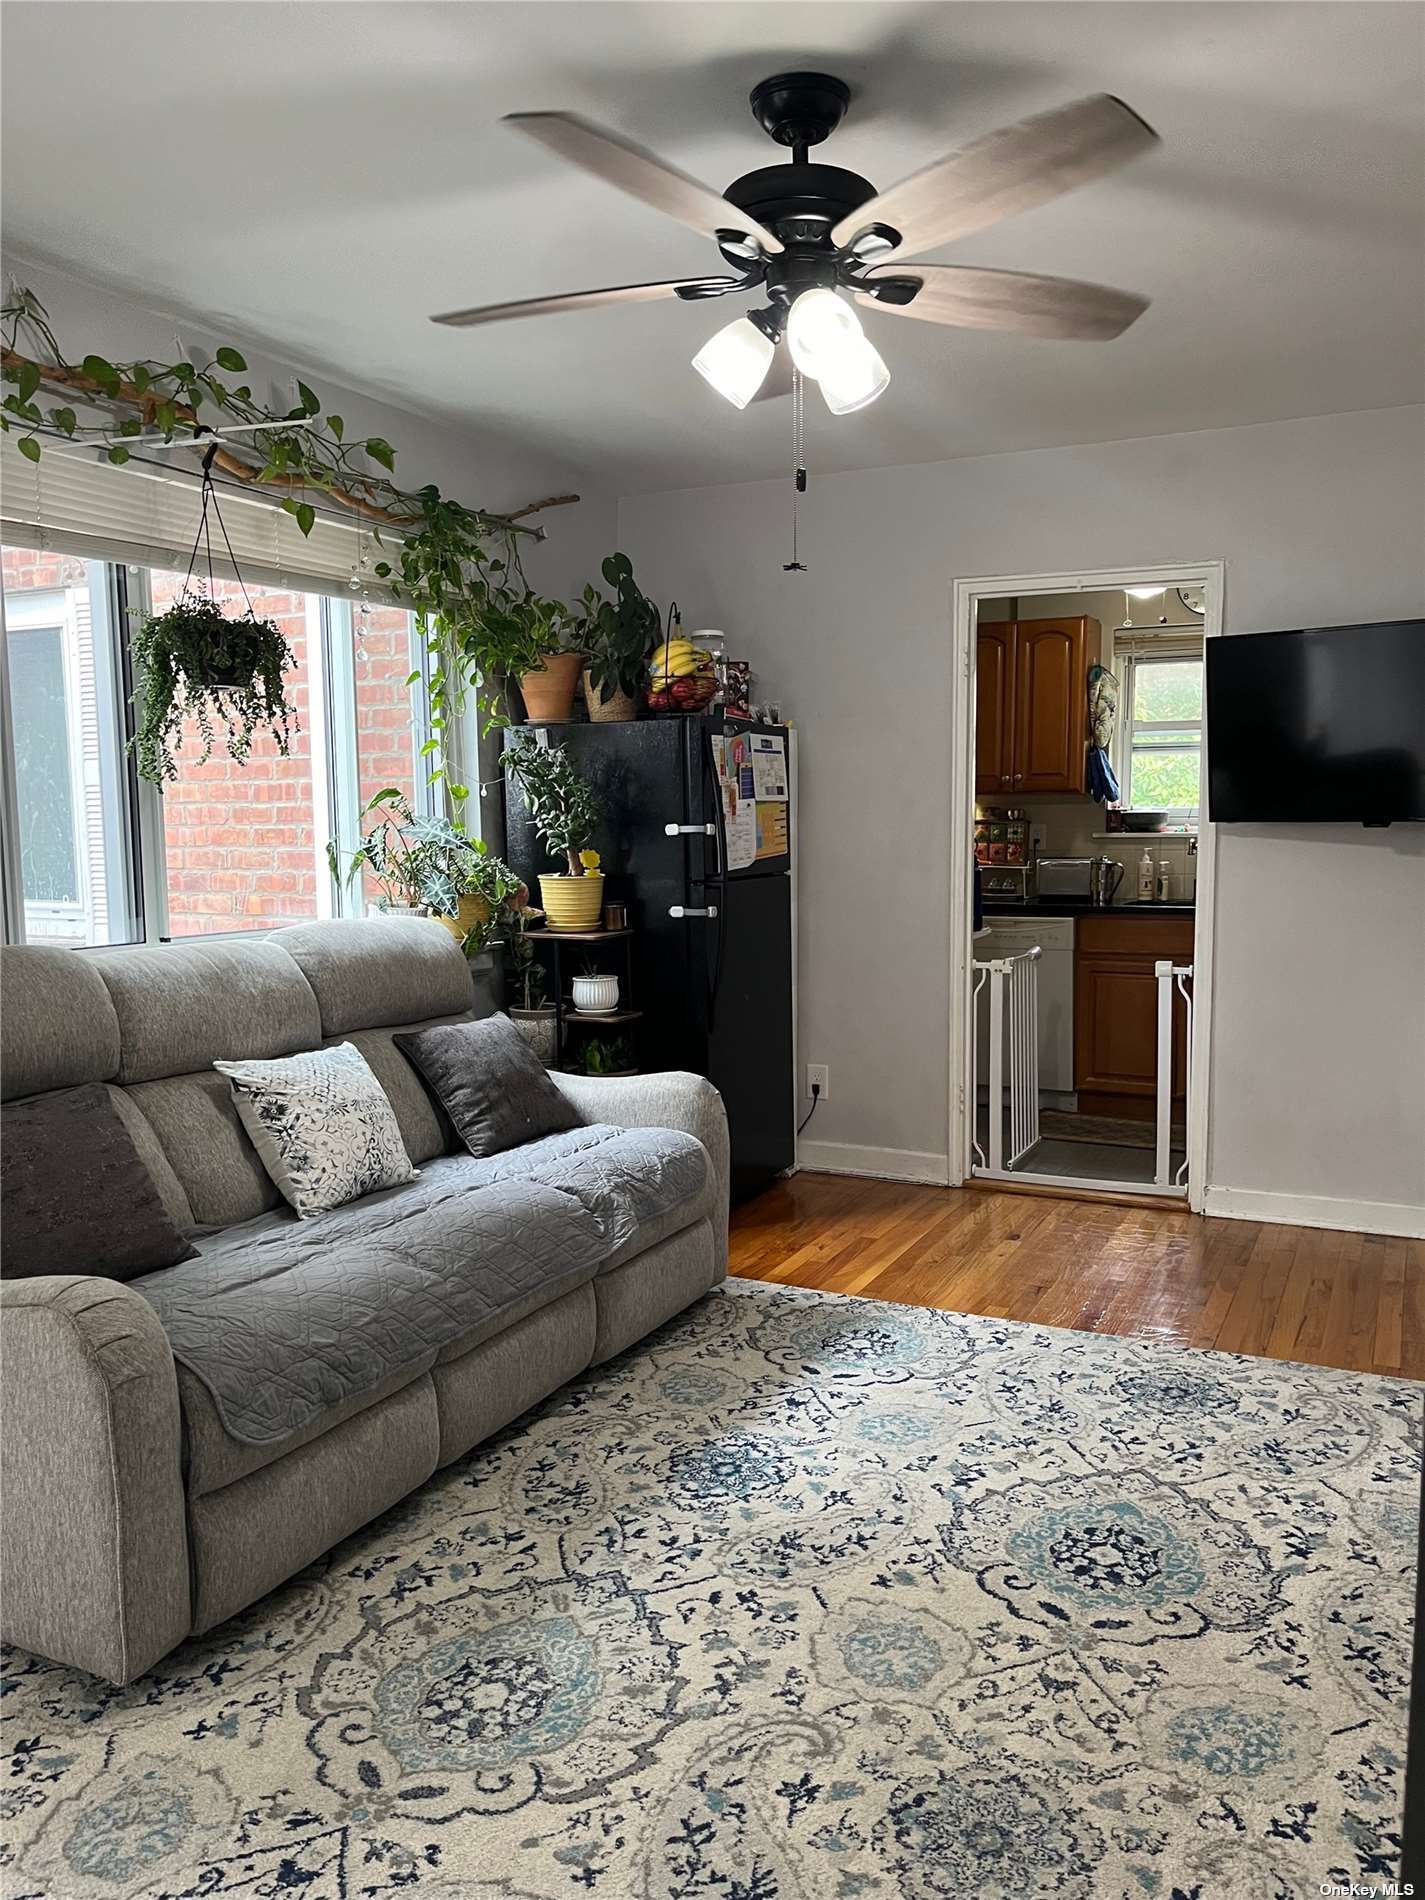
{"x": 1211, "y": 577}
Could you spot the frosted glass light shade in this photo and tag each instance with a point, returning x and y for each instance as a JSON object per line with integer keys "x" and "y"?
{"x": 856, "y": 378}
{"x": 821, "y": 329}
{"x": 735, "y": 361}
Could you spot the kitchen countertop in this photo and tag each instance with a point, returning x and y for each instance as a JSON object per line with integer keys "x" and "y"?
{"x": 1077, "y": 907}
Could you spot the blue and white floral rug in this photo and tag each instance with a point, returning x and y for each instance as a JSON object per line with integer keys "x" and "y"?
{"x": 806, "y": 1598}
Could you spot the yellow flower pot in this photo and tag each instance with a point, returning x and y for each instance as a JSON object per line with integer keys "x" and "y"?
{"x": 572, "y": 903}
{"x": 473, "y": 910}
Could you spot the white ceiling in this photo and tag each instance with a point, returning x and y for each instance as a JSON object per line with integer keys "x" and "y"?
{"x": 323, "y": 175}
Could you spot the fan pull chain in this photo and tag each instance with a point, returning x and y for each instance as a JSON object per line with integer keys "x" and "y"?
{"x": 799, "y": 484}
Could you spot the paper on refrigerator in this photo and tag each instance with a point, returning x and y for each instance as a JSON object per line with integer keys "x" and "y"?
{"x": 739, "y": 813}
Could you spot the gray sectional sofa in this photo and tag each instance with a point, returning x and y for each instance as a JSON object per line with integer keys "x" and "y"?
{"x": 176, "y": 1446}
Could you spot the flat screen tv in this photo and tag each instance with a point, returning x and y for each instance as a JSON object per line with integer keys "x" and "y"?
{"x": 1325, "y": 725}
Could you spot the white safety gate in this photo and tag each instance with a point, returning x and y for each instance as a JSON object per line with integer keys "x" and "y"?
{"x": 1014, "y": 1002}
{"x": 1013, "y": 1044}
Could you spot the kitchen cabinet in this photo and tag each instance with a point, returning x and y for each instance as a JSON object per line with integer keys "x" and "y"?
{"x": 1031, "y": 704}
{"x": 1116, "y": 1012}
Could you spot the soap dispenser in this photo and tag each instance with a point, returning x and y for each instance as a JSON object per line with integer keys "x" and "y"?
{"x": 1145, "y": 877}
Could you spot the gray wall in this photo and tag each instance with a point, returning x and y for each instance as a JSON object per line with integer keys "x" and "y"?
{"x": 1318, "y": 1048}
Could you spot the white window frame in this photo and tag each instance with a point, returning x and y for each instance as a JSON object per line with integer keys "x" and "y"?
{"x": 1135, "y": 734}
{"x": 332, "y": 629}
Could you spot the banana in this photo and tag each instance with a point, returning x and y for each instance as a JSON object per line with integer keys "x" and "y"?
{"x": 671, "y": 650}
{"x": 679, "y": 665}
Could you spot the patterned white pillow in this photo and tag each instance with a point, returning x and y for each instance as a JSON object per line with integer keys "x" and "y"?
{"x": 322, "y": 1125}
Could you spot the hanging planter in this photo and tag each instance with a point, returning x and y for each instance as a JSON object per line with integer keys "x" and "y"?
{"x": 195, "y": 663}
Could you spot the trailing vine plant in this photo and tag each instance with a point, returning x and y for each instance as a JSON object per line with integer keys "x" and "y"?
{"x": 456, "y": 566}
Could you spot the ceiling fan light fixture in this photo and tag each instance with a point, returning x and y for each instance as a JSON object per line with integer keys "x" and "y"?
{"x": 822, "y": 331}
{"x": 855, "y": 379}
{"x": 1144, "y": 593}
{"x": 735, "y": 360}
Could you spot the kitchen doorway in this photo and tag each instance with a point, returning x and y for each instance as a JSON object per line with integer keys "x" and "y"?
{"x": 1082, "y": 887}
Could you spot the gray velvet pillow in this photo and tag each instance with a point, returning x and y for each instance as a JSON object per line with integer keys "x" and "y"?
{"x": 75, "y": 1196}
{"x": 490, "y": 1083}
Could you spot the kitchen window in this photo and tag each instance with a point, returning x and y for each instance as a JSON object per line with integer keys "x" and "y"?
{"x": 95, "y": 856}
{"x": 1160, "y": 730}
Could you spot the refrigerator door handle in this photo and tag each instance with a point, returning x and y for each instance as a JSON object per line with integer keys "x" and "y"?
{"x": 689, "y": 910}
{"x": 699, "y": 831}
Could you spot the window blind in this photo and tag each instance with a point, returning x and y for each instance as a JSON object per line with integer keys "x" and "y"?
{"x": 146, "y": 514}
{"x": 1157, "y": 643}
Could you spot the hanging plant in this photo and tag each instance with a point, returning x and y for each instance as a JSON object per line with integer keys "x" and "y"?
{"x": 196, "y": 663}
{"x": 457, "y": 566}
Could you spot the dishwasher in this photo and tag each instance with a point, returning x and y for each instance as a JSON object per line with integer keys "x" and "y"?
{"x": 1054, "y": 936}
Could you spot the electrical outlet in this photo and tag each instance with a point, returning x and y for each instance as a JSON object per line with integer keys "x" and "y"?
{"x": 819, "y": 1078}
{"x": 1038, "y": 839}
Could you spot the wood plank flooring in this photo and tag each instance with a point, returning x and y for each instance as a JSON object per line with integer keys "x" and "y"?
{"x": 1332, "y": 1299}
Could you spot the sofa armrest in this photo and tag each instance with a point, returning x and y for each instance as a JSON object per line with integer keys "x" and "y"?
{"x": 93, "y": 1535}
{"x": 671, "y": 1098}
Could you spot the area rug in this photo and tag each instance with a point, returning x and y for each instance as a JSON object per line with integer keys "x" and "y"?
{"x": 805, "y": 1598}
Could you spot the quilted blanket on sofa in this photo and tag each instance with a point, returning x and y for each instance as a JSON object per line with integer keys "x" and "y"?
{"x": 282, "y": 1319}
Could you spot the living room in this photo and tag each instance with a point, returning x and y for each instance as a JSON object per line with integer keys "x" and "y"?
{"x": 519, "y": 1373}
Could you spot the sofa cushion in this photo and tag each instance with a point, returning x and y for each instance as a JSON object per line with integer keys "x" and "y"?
{"x": 369, "y": 973}
{"x": 199, "y": 1129}
{"x": 74, "y": 1195}
{"x": 425, "y": 1126}
{"x": 322, "y": 1125}
{"x": 282, "y": 1321}
{"x": 57, "y": 1025}
{"x": 182, "y": 1006}
{"x": 491, "y": 1084}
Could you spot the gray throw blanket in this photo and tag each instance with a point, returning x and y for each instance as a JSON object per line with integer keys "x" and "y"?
{"x": 282, "y": 1319}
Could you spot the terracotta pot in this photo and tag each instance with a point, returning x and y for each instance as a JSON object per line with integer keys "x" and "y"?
{"x": 616, "y": 706}
{"x": 549, "y": 692}
{"x": 473, "y": 910}
{"x": 572, "y": 903}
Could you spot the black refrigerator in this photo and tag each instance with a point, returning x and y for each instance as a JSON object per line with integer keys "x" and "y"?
{"x": 713, "y": 935}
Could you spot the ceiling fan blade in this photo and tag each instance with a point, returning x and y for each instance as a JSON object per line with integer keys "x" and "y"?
{"x": 778, "y": 380}
{"x": 1007, "y": 300}
{"x": 621, "y": 163}
{"x": 1006, "y": 172}
{"x": 583, "y": 300}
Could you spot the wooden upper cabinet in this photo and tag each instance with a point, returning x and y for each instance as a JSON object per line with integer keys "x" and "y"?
{"x": 1031, "y": 704}
{"x": 1051, "y": 703}
{"x": 994, "y": 706}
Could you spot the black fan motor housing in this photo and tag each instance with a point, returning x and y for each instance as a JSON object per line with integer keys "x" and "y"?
{"x": 807, "y": 199}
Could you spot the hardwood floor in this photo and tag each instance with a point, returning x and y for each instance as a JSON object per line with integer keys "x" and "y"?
{"x": 1332, "y": 1299}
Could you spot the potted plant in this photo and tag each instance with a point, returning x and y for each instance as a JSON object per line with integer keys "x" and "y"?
{"x": 434, "y": 864}
{"x": 525, "y": 983}
{"x": 601, "y": 1055}
{"x": 595, "y": 994}
{"x": 617, "y": 637}
{"x": 196, "y": 663}
{"x": 565, "y": 810}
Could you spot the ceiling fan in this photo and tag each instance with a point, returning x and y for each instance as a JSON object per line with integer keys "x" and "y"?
{"x": 801, "y": 233}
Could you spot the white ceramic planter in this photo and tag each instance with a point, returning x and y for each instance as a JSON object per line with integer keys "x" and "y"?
{"x": 595, "y": 995}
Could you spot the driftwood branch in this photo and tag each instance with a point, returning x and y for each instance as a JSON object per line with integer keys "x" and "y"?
{"x": 61, "y": 376}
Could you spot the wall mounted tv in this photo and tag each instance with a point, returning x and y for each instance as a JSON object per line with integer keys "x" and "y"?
{"x": 1321, "y": 726}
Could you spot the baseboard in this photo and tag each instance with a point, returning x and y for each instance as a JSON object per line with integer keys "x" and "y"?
{"x": 1316, "y": 1210}
{"x": 883, "y": 1164}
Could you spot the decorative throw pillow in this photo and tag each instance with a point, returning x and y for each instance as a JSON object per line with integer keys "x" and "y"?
{"x": 322, "y": 1126}
{"x": 75, "y": 1196}
{"x": 490, "y": 1083}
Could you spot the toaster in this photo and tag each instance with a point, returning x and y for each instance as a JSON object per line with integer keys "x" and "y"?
{"x": 1065, "y": 877}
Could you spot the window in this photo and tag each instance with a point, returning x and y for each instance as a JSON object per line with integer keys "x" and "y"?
{"x": 1161, "y": 745}
{"x": 226, "y": 847}
{"x": 70, "y": 789}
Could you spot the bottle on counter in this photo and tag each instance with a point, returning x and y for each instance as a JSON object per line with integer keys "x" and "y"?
{"x": 1145, "y": 877}
{"x": 1164, "y": 876}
